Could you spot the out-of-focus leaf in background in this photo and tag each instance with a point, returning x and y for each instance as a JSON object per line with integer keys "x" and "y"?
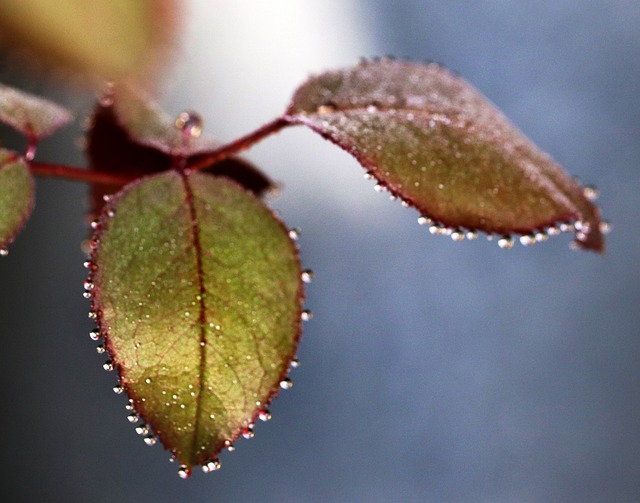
{"x": 109, "y": 39}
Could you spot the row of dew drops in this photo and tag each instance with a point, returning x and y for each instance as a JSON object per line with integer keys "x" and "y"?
{"x": 143, "y": 429}
{"x": 507, "y": 242}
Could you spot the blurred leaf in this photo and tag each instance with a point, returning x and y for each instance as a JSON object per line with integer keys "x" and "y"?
{"x": 198, "y": 293}
{"x": 433, "y": 140}
{"x": 33, "y": 116}
{"x": 108, "y": 38}
{"x": 16, "y": 196}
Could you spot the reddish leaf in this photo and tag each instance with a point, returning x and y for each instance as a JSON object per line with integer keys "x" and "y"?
{"x": 34, "y": 117}
{"x": 433, "y": 140}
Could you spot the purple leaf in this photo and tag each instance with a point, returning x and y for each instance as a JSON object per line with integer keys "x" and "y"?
{"x": 33, "y": 116}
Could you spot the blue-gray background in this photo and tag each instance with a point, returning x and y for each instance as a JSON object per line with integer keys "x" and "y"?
{"x": 433, "y": 371}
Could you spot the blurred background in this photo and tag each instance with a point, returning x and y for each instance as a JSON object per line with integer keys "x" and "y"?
{"x": 433, "y": 371}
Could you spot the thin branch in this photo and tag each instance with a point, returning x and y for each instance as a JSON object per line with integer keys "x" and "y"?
{"x": 78, "y": 174}
{"x": 235, "y": 147}
{"x": 194, "y": 163}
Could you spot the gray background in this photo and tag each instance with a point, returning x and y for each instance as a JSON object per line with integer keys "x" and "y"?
{"x": 433, "y": 371}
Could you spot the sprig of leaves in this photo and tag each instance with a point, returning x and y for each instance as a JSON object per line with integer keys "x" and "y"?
{"x": 197, "y": 287}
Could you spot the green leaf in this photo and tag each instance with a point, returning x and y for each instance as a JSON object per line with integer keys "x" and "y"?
{"x": 197, "y": 290}
{"x": 16, "y": 196}
{"x": 434, "y": 141}
{"x": 105, "y": 38}
{"x": 33, "y": 116}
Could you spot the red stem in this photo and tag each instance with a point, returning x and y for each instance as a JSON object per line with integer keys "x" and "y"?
{"x": 196, "y": 162}
{"x": 235, "y": 147}
{"x": 78, "y": 174}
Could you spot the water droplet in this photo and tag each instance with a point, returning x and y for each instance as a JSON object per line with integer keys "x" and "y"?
{"x": 133, "y": 418}
{"x": 211, "y": 465}
{"x": 108, "y": 365}
{"x": 248, "y": 433}
{"x": 506, "y": 242}
{"x": 148, "y": 380}
{"x": 106, "y": 96}
{"x": 581, "y": 225}
{"x": 294, "y": 234}
{"x": 435, "y": 229}
{"x": 95, "y": 224}
{"x": 150, "y": 440}
{"x": 566, "y": 227}
{"x": 142, "y": 429}
{"x": 457, "y": 235}
{"x": 605, "y": 227}
{"x": 295, "y": 363}
{"x": 111, "y": 213}
{"x": 286, "y": 383}
{"x": 106, "y": 198}
{"x": 326, "y": 108}
{"x": 264, "y": 415}
{"x": 424, "y": 220}
{"x": 553, "y": 231}
{"x": 379, "y": 187}
{"x": 4, "y": 252}
{"x": 527, "y": 240}
{"x": 190, "y": 123}
{"x": 591, "y": 193}
{"x": 541, "y": 237}
{"x": 471, "y": 235}
{"x": 88, "y": 265}
{"x": 87, "y": 295}
{"x": 230, "y": 447}
{"x": 118, "y": 389}
{"x": 368, "y": 175}
{"x": 95, "y": 335}
{"x": 306, "y": 315}
{"x": 307, "y": 276}
{"x": 30, "y": 153}
{"x": 184, "y": 472}
{"x": 100, "y": 349}
{"x": 92, "y": 315}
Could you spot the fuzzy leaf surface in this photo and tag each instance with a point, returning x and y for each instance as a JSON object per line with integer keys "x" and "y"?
{"x": 198, "y": 295}
{"x": 33, "y": 116}
{"x": 16, "y": 195}
{"x": 433, "y": 140}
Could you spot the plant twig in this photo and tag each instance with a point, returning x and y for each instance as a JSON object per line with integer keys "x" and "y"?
{"x": 201, "y": 161}
{"x": 78, "y": 174}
